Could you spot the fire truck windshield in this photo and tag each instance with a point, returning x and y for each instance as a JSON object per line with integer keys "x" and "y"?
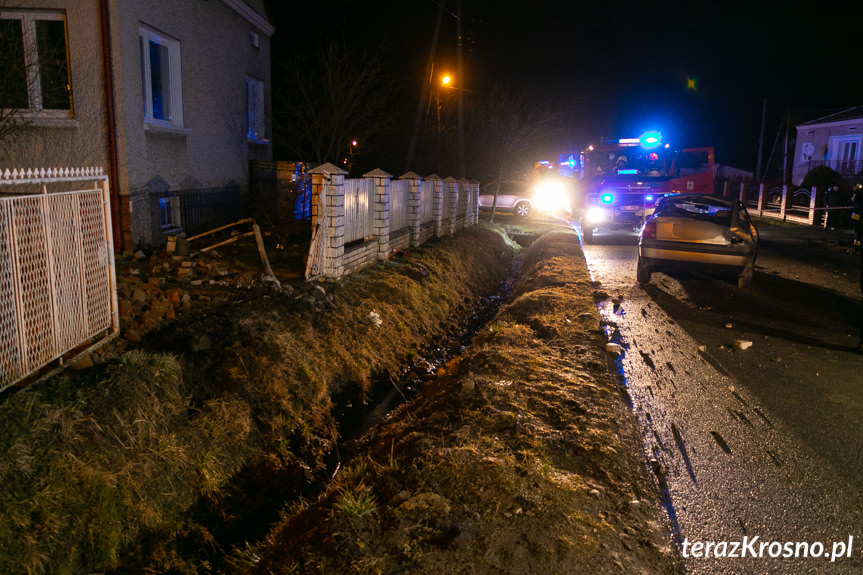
{"x": 627, "y": 161}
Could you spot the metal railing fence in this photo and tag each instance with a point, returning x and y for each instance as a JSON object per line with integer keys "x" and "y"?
{"x": 57, "y": 283}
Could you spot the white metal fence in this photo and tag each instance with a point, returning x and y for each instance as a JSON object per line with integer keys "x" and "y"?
{"x": 426, "y": 201}
{"x": 399, "y": 190}
{"x": 57, "y": 284}
{"x": 359, "y": 203}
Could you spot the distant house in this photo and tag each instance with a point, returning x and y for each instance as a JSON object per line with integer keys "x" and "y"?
{"x": 171, "y": 97}
{"x": 833, "y": 141}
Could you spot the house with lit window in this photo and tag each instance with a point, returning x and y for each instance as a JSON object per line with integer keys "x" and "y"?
{"x": 835, "y": 141}
{"x": 172, "y": 98}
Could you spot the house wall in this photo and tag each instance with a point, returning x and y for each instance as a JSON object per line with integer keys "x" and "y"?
{"x": 79, "y": 140}
{"x": 211, "y": 151}
{"x": 822, "y": 139}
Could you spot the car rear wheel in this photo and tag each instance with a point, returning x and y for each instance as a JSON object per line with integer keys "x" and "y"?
{"x": 522, "y": 209}
{"x": 642, "y": 273}
{"x": 587, "y": 234}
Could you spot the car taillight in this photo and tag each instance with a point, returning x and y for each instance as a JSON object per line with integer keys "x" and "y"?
{"x": 649, "y": 230}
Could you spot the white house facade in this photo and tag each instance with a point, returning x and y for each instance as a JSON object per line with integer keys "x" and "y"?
{"x": 172, "y": 97}
{"x": 835, "y": 141}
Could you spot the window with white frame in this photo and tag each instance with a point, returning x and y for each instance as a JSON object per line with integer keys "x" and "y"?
{"x": 255, "y": 126}
{"x": 161, "y": 79}
{"x": 34, "y": 59}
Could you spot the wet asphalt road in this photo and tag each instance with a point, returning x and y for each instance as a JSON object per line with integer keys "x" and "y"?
{"x": 765, "y": 442}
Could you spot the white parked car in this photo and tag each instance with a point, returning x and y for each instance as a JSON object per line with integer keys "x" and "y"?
{"x": 548, "y": 196}
{"x": 514, "y": 197}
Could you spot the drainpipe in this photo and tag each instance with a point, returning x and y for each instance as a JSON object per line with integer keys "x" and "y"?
{"x": 111, "y": 125}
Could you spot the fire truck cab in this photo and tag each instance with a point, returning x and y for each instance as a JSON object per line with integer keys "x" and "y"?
{"x": 623, "y": 179}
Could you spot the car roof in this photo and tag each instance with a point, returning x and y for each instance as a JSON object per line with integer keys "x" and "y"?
{"x": 700, "y": 198}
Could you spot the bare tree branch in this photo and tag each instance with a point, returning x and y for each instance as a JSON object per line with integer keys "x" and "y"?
{"x": 330, "y": 99}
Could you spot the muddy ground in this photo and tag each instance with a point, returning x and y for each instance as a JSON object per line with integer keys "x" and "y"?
{"x": 212, "y": 436}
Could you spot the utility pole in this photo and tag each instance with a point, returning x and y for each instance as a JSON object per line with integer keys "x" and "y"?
{"x": 461, "y": 81}
{"x": 785, "y": 159}
{"x": 758, "y": 177}
{"x": 425, "y": 91}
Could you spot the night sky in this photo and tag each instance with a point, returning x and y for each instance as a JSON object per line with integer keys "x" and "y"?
{"x": 697, "y": 71}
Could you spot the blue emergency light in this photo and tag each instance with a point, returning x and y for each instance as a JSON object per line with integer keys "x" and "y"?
{"x": 650, "y": 139}
{"x": 606, "y": 198}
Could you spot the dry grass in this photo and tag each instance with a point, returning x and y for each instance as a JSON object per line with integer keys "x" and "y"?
{"x": 165, "y": 462}
{"x": 522, "y": 458}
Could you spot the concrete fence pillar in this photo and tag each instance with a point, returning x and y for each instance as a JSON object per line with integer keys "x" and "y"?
{"x": 450, "y": 198}
{"x": 414, "y": 205}
{"x": 814, "y": 201}
{"x": 437, "y": 204}
{"x": 784, "y": 203}
{"x": 473, "y": 204}
{"x": 742, "y": 193}
{"x": 464, "y": 201}
{"x": 328, "y": 223}
{"x": 761, "y": 199}
{"x": 381, "y": 211}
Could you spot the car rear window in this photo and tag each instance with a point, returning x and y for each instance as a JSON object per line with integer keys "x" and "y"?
{"x": 700, "y": 209}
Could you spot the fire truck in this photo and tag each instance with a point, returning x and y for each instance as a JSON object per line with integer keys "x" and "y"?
{"x": 621, "y": 180}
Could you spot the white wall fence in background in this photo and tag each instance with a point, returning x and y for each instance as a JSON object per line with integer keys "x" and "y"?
{"x": 58, "y": 294}
{"x": 357, "y": 222}
{"x": 787, "y": 203}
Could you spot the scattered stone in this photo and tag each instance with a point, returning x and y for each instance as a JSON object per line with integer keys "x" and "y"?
{"x": 429, "y": 502}
{"x": 375, "y": 318}
{"x": 613, "y": 348}
{"x": 202, "y": 343}
{"x": 83, "y": 362}
{"x": 140, "y": 255}
{"x": 729, "y": 325}
{"x": 742, "y": 344}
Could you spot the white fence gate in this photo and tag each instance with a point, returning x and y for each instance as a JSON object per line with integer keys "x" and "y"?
{"x": 58, "y": 295}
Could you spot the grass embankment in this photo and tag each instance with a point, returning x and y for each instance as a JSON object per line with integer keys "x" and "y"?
{"x": 523, "y": 458}
{"x": 166, "y": 457}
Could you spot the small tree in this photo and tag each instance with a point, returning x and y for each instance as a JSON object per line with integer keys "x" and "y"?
{"x": 329, "y": 100}
{"x": 506, "y": 129}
